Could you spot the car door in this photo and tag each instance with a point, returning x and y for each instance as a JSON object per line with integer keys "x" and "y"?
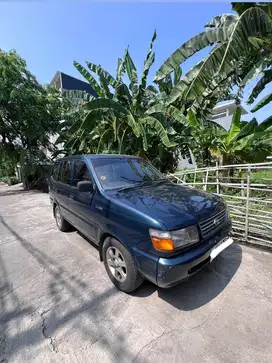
{"x": 63, "y": 188}
{"x": 80, "y": 204}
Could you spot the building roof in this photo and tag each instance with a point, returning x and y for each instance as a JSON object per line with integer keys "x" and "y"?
{"x": 71, "y": 83}
{"x": 228, "y": 104}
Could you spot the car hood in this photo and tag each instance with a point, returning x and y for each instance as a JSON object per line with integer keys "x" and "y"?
{"x": 176, "y": 206}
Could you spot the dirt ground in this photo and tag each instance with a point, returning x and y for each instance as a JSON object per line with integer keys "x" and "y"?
{"x": 58, "y": 305}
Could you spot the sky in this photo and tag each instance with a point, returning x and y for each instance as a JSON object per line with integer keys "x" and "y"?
{"x": 50, "y": 36}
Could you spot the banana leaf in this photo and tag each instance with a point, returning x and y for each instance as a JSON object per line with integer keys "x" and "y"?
{"x": 252, "y": 22}
{"x": 259, "y": 87}
{"x": 149, "y": 60}
{"x": 223, "y": 20}
{"x": 153, "y": 123}
{"x": 87, "y": 75}
{"x": 256, "y": 69}
{"x": 265, "y": 125}
{"x": 78, "y": 95}
{"x": 265, "y": 101}
{"x": 132, "y": 73}
{"x": 248, "y": 129}
{"x": 102, "y": 72}
{"x": 189, "y": 48}
{"x": 235, "y": 126}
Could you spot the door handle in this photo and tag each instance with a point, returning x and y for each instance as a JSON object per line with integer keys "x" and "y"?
{"x": 71, "y": 196}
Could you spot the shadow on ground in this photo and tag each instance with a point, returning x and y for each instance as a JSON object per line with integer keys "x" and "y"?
{"x": 97, "y": 319}
{"x": 10, "y": 192}
{"x": 50, "y": 320}
{"x": 204, "y": 286}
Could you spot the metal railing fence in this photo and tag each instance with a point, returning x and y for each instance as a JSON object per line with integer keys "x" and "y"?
{"x": 247, "y": 189}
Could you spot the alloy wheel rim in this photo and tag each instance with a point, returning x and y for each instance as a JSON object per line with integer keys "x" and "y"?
{"x": 116, "y": 264}
{"x": 58, "y": 217}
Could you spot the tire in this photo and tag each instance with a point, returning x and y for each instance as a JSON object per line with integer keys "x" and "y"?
{"x": 116, "y": 258}
{"x": 62, "y": 224}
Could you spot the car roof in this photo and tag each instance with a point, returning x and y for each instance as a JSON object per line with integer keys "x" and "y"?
{"x": 99, "y": 156}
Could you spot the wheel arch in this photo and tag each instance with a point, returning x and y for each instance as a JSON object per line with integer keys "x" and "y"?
{"x": 102, "y": 239}
{"x": 54, "y": 208}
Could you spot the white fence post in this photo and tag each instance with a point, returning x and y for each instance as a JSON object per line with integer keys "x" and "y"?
{"x": 206, "y": 180}
{"x": 247, "y": 202}
{"x": 195, "y": 175}
{"x": 251, "y": 207}
{"x": 217, "y": 179}
{"x": 243, "y": 191}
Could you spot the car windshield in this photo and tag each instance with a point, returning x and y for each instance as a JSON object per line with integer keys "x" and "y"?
{"x": 115, "y": 173}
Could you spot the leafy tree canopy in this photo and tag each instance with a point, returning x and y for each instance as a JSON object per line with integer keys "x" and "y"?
{"x": 29, "y": 112}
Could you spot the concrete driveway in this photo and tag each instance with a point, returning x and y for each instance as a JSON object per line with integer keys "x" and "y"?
{"x": 58, "y": 305}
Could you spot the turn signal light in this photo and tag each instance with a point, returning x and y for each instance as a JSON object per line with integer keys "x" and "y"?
{"x": 171, "y": 240}
{"x": 163, "y": 244}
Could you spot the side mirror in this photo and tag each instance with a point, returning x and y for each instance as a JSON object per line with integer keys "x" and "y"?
{"x": 85, "y": 186}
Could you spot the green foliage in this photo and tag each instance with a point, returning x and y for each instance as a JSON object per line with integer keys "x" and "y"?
{"x": 244, "y": 141}
{"x": 242, "y": 49}
{"x": 10, "y": 180}
{"x": 28, "y": 111}
{"x": 160, "y": 121}
{"x": 29, "y": 114}
{"x": 129, "y": 119}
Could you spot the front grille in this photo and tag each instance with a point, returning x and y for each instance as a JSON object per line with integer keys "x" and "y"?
{"x": 212, "y": 224}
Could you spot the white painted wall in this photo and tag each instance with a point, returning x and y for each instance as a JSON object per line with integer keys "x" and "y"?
{"x": 222, "y": 114}
{"x": 224, "y": 121}
{"x": 184, "y": 163}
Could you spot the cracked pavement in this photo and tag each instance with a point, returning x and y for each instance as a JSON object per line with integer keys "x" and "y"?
{"x": 58, "y": 305}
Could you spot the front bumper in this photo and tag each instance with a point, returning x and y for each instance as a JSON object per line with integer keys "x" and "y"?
{"x": 173, "y": 270}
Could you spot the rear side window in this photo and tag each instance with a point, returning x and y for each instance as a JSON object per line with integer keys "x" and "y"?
{"x": 65, "y": 171}
{"x": 81, "y": 172}
{"x": 55, "y": 171}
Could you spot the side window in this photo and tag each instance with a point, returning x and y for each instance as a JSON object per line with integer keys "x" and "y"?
{"x": 55, "y": 171}
{"x": 81, "y": 172}
{"x": 65, "y": 171}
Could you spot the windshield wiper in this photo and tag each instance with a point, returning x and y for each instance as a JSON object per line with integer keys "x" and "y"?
{"x": 140, "y": 184}
{"x": 131, "y": 180}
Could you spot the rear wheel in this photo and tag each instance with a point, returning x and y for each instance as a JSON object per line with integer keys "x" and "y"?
{"x": 120, "y": 266}
{"x": 62, "y": 224}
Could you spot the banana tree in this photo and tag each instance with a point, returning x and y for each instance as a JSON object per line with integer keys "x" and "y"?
{"x": 244, "y": 141}
{"x": 263, "y": 70}
{"x": 121, "y": 111}
{"x": 232, "y": 57}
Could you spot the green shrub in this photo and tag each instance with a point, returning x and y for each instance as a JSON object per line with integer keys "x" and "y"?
{"x": 10, "y": 180}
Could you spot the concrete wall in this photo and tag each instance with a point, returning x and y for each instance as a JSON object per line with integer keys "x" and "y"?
{"x": 224, "y": 121}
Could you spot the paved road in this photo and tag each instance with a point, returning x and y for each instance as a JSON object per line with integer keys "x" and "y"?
{"x": 58, "y": 305}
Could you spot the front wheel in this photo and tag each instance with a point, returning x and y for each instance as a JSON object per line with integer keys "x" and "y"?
{"x": 62, "y": 224}
{"x": 120, "y": 266}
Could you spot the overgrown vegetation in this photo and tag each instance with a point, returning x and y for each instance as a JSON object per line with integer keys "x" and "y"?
{"x": 159, "y": 120}
{"x": 164, "y": 119}
{"x": 29, "y": 114}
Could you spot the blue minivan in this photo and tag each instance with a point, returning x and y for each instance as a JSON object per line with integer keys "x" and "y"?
{"x": 145, "y": 226}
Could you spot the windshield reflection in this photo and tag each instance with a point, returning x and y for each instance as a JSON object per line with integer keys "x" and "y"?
{"x": 115, "y": 173}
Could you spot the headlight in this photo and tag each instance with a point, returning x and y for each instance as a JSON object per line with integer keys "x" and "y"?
{"x": 169, "y": 241}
